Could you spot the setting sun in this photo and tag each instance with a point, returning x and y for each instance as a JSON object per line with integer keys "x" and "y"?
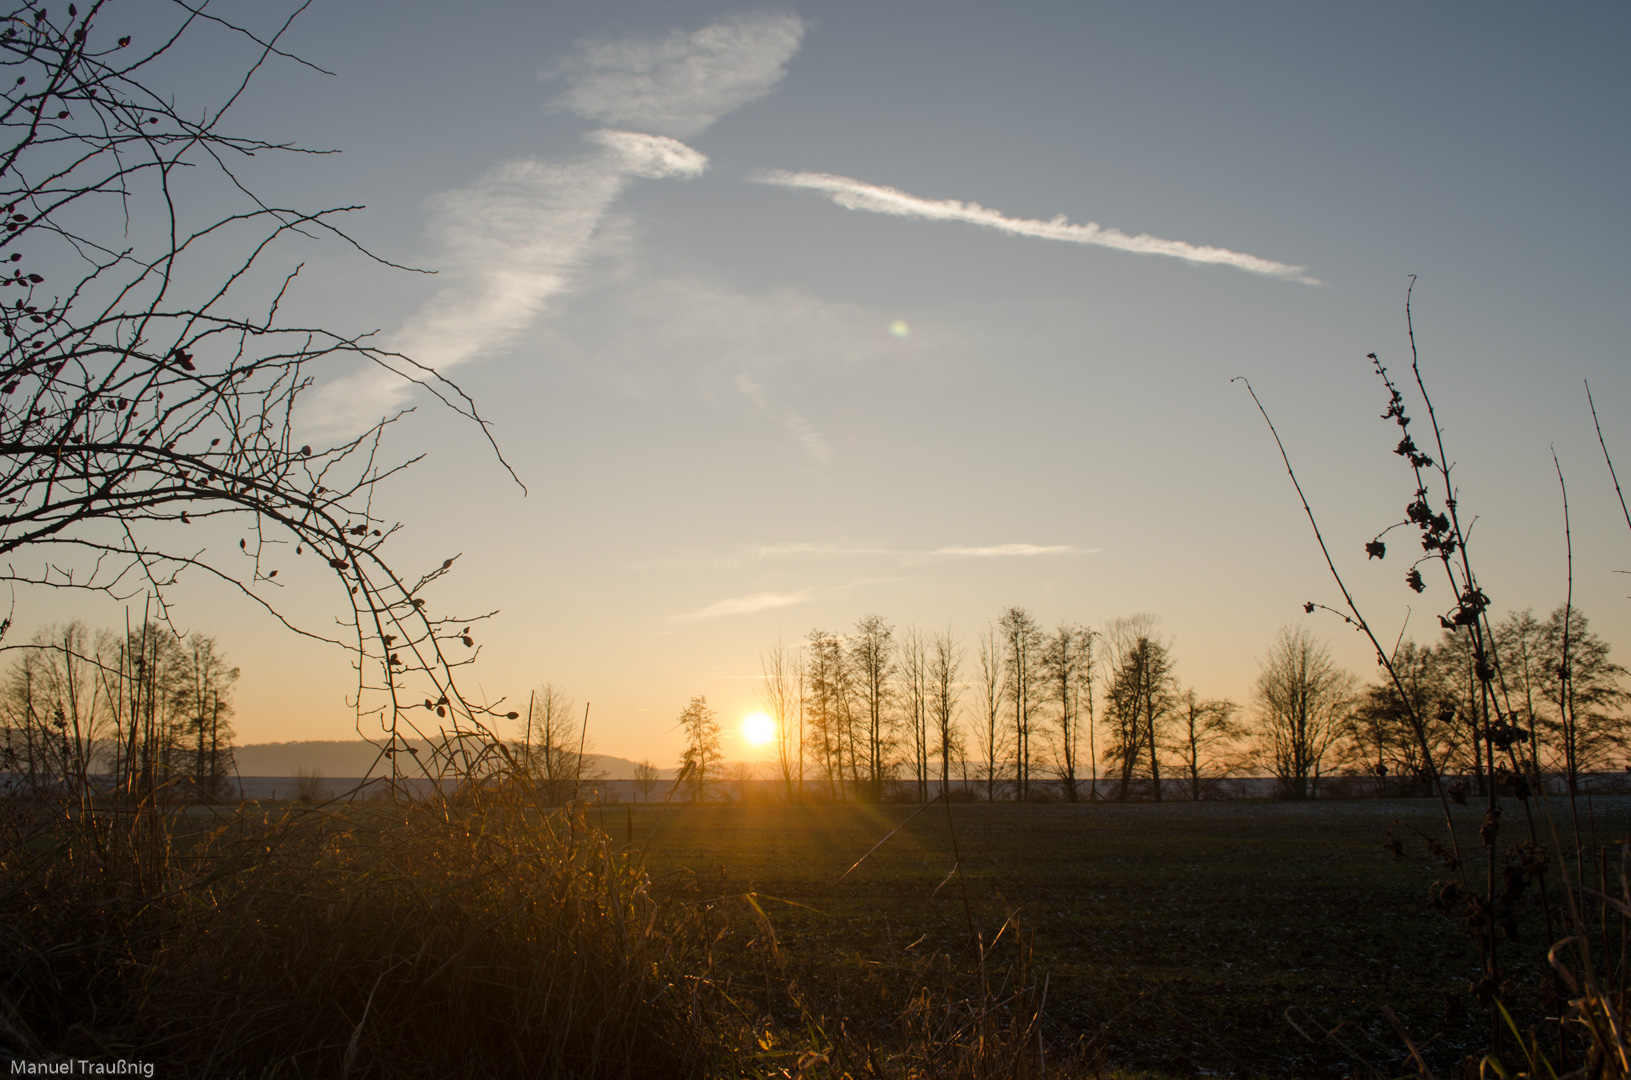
{"x": 758, "y": 728}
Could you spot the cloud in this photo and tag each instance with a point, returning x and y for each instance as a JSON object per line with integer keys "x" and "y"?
{"x": 682, "y": 83}
{"x": 655, "y": 157}
{"x": 510, "y": 242}
{"x": 519, "y": 236}
{"x": 859, "y": 195}
{"x": 991, "y": 551}
{"x": 747, "y": 605}
{"x": 1005, "y": 551}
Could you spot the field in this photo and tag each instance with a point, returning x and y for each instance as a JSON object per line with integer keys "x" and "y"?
{"x": 1172, "y": 938}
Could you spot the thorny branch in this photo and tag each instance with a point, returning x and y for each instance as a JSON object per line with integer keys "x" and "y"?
{"x": 133, "y": 408}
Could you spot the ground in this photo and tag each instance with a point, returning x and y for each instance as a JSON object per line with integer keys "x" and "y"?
{"x": 1176, "y": 937}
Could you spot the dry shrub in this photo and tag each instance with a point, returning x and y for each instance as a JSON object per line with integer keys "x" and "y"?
{"x": 411, "y": 940}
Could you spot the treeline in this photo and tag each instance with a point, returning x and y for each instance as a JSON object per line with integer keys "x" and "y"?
{"x": 1025, "y": 712}
{"x": 136, "y": 710}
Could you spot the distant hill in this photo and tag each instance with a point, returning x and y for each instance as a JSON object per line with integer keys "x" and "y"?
{"x": 354, "y": 757}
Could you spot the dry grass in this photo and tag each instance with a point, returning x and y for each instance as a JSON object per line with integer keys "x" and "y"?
{"x": 479, "y": 936}
{"x": 421, "y": 940}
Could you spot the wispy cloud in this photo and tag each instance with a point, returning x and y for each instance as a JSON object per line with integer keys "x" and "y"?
{"x": 798, "y": 549}
{"x": 747, "y": 605}
{"x": 682, "y": 83}
{"x": 859, "y": 195}
{"x": 519, "y": 236}
{"x": 956, "y": 551}
{"x": 1009, "y": 551}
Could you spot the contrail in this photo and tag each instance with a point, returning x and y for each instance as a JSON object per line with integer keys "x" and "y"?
{"x": 859, "y": 195}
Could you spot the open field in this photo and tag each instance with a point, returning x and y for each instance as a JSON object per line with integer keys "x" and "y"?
{"x": 1174, "y": 936}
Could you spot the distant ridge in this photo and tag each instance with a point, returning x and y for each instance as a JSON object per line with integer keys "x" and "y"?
{"x": 354, "y": 757}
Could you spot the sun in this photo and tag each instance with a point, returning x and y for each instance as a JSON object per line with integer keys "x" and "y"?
{"x": 758, "y": 728}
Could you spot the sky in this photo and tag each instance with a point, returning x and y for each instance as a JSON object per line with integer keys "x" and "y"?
{"x": 788, "y": 315}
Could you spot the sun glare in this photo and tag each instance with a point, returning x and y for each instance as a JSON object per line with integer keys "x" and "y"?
{"x": 758, "y": 728}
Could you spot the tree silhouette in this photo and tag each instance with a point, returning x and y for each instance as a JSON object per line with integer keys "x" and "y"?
{"x": 1302, "y": 697}
{"x": 1022, "y": 659}
{"x": 1140, "y": 698}
{"x": 701, "y": 759}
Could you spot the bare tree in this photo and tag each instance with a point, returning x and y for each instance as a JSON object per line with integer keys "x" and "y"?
{"x": 872, "y": 659}
{"x": 143, "y": 391}
{"x": 1089, "y": 720}
{"x": 152, "y": 681}
{"x": 1206, "y": 728}
{"x": 992, "y": 734}
{"x": 56, "y": 708}
{"x": 829, "y": 700}
{"x": 1426, "y": 729}
{"x": 207, "y": 707}
{"x": 945, "y": 658}
{"x": 1584, "y": 720}
{"x": 1302, "y": 697}
{"x": 1140, "y": 696}
{"x": 556, "y": 745}
{"x": 779, "y": 694}
{"x": 1022, "y": 657}
{"x": 1066, "y": 670}
{"x": 702, "y": 756}
{"x": 799, "y": 667}
{"x": 914, "y": 704}
{"x": 645, "y": 778}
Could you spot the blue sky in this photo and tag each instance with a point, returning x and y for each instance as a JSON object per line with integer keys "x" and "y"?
{"x": 743, "y": 409}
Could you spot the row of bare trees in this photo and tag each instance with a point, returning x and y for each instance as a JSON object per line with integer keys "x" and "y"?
{"x": 861, "y": 714}
{"x": 1040, "y": 713}
{"x": 135, "y": 711}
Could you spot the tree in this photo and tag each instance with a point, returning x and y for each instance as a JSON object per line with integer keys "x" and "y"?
{"x": 1067, "y": 672}
{"x": 207, "y": 707}
{"x": 152, "y": 681}
{"x": 779, "y": 677}
{"x": 1583, "y": 719}
{"x": 700, "y": 725}
{"x": 645, "y": 778}
{"x": 828, "y": 700}
{"x": 1022, "y": 656}
{"x": 1520, "y": 643}
{"x": 991, "y": 734}
{"x": 913, "y": 693}
{"x": 1204, "y": 728}
{"x": 144, "y": 391}
{"x": 1301, "y": 697}
{"x": 56, "y": 708}
{"x": 1140, "y": 696}
{"x": 872, "y": 659}
{"x": 945, "y": 657}
{"x": 1381, "y": 729}
{"x": 146, "y": 711}
{"x": 555, "y": 746}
